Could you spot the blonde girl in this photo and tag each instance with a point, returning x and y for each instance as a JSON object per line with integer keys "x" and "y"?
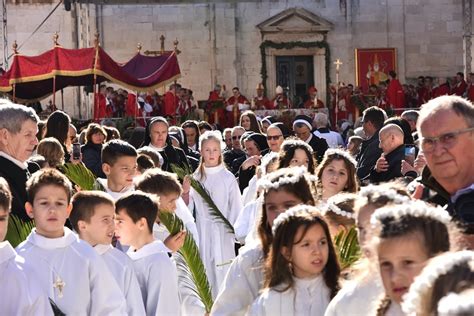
{"x": 337, "y": 173}
{"x": 281, "y": 190}
{"x": 339, "y": 212}
{"x": 52, "y": 150}
{"x": 216, "y": 243}
{"x": 301, "y": 271}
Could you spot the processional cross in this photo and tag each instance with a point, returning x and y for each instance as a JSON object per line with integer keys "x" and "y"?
{"x": 338, "y": 64}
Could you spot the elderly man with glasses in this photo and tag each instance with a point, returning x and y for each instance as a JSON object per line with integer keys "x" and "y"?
{"x": 446, "y": 127}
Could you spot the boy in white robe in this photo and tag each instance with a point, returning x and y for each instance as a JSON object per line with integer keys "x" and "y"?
{"x": 119, "y": 163}
{"x": 92, "y": 216}
{"x": 20, "y": 293}
{"x": 69, "y": 270}
{"x": 156, "y": 273}
{"x": 166, "y": 186}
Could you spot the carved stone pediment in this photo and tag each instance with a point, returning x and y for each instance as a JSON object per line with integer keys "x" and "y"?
{"x": 295, "y": 20}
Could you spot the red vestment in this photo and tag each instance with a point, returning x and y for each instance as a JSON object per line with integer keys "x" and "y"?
{"x": 309, "y": 104}
{"x": 131, "y": 108}
{"x": 441, "y": 90}
{"x": 470, "y": 92}
{"x": 281, "y": 101}
{"x": 170, "y": 104}
{"x": 395, "y": 96}
{"x": 100, "y": 106}
{"x": 422, "y": 95}
{"x": 218, "y": 113}
{"x": 459, "y": 88}
{"x": 263, "y": 103}
{"x": 234, "y": 115}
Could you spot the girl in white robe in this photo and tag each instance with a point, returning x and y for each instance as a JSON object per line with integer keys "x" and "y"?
{"x": 407, "y": 236}
{"x": 364, "y": 287}
{"x": 216, "y": 242}
{"x": 281, "y": 190}
{"x": 301, "y": 271}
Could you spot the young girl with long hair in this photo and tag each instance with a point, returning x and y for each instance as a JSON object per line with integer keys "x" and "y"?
{"x": 337, "y": 173}
{"x": 216, "y": 243}
{"x": 249, "y": 121}
{"x": 444, "y": 276}
{"x": 295, "y": 152}
{"x": 406, "y": 236}
{"x": 281, "y": 190}
{"x": 363, "y": 284}
{"x": 302, "y": 270}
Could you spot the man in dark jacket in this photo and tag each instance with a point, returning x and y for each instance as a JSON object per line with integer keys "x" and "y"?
{"x": 18, "y": 128}
{"x": 389, "y": 165}
{"x": 372, "y": 121}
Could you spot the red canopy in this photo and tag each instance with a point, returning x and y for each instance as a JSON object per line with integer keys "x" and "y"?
{"x": 36, "y": 77}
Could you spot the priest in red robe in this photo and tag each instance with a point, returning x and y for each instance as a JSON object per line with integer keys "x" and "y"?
{"x": 313, "y": 102}
{"x": 171, "y": 101}
{"x": 216, "y": 115}
{"x": 442, "y": 89}
{"x": 395, "y": 95}
{"x": 261, "y": 102}
{"x": 233, "y": 110}
{"x": 460, "y": 86}
{"x": 100, "y": 104}
{"x": 281, "y": 101}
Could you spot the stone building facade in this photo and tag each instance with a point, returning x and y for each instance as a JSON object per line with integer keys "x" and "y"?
{"x": 220, "y": 40}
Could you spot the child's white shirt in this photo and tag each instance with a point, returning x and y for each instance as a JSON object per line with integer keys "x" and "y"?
{"x": 158, "y": 279}
{"x": 115, "y": 195}
{"x": 241, "y": 285}
{"x": 121, "y": 267}
{"x": 20, "y": 292}
{"x": 247, "y": 220}
{"x": 357, "y": 295}
{"x": 307, "y": 297}
{"x": 88, "y": 288}
{"x": 216, "y": 243}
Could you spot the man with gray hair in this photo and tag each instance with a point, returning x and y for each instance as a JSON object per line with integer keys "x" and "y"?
{"x": 321, "y": 124}
{"x": 389, "y": 165}
{"x": 446, "y": 127}
{"x": 18, "y": 129}
{"x": 236, "y": 151}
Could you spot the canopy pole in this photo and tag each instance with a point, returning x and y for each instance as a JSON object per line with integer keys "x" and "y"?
{"x": 14, "y": 92}
{"x": 54, "y": 92}
{"x": 62, "y": 99}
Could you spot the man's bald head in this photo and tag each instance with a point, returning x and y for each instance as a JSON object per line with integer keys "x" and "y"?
{"x": 390, "y": 137}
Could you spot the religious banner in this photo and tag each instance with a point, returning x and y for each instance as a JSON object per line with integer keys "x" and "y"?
{"x": 373, "y": 65}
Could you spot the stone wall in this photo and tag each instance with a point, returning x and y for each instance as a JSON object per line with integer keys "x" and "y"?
{"x": 220, "y": 41}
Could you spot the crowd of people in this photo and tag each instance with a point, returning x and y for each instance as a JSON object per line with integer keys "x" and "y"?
{"x": 287, "y": 195}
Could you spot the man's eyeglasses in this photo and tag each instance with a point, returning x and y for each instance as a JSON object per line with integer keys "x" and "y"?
{"x": 236, "y": 137}
{"x": 447, "y": 140}
{"x": 276, "y": 137}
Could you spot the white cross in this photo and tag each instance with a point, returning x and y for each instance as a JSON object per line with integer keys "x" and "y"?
{"x": 338, "y": 64}
{"x": 59, "y": 284}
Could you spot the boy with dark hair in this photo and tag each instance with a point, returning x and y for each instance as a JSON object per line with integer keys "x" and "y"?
{"x": 166, "y": 186}
{"x": 136, "y": 213}
{"x": 20, "y": 293}
{"x": 92, "y": 217}
{"x": 70, "y": 271}
{"x": 119, "y": 163}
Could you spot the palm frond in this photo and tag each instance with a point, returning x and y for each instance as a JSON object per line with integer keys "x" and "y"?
{"x": 80, "y": 175}
{"x": 18, "y": 230}
{"x": 188, "y": 261}
{"x": 347, "y": 246}
{"x": 201, "y": 190}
